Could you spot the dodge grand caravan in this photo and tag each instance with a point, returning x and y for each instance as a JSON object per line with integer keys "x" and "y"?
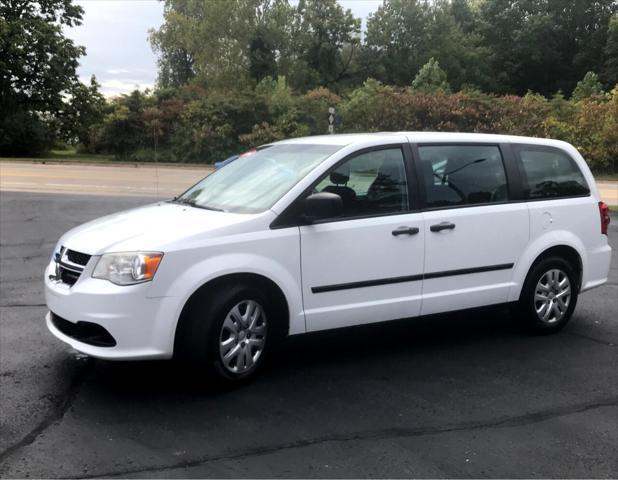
{"x": 332, "y": 231}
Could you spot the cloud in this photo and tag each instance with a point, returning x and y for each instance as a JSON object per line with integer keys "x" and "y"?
{"x": 117, "y": 71}
{"x": 122, "y": 71}
{"x": 115, "y": 87}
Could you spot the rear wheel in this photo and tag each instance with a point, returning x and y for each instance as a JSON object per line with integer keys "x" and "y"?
{"x": 226, "y": 334}
{"x": 549, "y": 296}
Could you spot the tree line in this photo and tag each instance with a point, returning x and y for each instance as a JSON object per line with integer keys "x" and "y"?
{"x": 499, "y": 46}
{"x": 233, "y": 74}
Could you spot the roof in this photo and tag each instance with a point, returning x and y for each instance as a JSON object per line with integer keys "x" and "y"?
{"x": 420, "y": 137}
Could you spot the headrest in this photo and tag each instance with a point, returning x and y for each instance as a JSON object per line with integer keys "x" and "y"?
{"x": 391, "y": 167}
{"x": 340, "y": 175}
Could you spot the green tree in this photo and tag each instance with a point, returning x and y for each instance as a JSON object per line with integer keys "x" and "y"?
{"x": 465, "y": 14}
{"x": 589, "y": 86}
{"x": 544, "y": 46}
{"x": 325, "y": 40}
{"x": 270, "y": 40}
{"x": 431, "y": 78}
{"x": 402, "y": 35}
{"x": 223, "y": 43}
{"x": 37, "y": 71}
{"x": 171, "y": 43}
{"x": 262, "y": 57}
{"x": 455, "y": 43}
{"x": 124, "y": 130}
{"x": 397, "y": 37}
{"x": 610, "y": 67}
{"x": 82, "y": 115}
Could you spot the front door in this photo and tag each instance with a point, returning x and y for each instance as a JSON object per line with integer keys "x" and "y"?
{"x": 366, "y": 265}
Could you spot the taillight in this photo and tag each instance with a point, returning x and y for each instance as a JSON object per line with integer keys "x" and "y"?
{"x": 604, "y": 212}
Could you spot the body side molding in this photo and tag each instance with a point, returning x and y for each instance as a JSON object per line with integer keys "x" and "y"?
{"x": 409, "y": 278}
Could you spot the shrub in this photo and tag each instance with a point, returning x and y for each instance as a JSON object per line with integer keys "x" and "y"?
{"x": 313, "y": 109}
{"x": 208, "y": 128}
{"x": 196, "y": 124}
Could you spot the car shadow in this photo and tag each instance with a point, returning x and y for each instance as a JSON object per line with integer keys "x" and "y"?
{"x": 358, "y": 348}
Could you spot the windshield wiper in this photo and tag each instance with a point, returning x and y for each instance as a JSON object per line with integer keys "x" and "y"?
{"x": 183, "y": 201}
{"x": 192, "y": 203}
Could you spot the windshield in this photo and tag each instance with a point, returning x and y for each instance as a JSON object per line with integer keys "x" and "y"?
{"x": 253, "y": 183}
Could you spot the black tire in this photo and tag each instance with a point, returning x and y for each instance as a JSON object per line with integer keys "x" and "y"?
{"x": 202, "y": 328}
{"x": 531, "y": 309}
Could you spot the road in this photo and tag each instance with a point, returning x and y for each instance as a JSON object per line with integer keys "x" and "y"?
{"x": 448, "y": 396}
{"x": 609, "y": 192}
{"x": 163, "y": 181}
{"x": 125, "y": 180}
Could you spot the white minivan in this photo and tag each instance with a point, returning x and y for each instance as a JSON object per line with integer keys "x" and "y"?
{"x": 333, "y": 231}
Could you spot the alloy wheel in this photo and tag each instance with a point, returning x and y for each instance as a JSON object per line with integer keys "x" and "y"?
{"x": 243, "y": 337}
{"x": 552, "y": 296}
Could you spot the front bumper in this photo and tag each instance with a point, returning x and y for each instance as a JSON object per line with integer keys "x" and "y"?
{"x": 141, "y": 327}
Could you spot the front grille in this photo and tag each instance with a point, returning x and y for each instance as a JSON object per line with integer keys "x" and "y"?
{"x": 70, "y": 265}
{"x": 77, "y": 257}
{"x": 86, "y": 332}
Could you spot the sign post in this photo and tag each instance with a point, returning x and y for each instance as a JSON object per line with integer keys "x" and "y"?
{"x": 334, "y": 120}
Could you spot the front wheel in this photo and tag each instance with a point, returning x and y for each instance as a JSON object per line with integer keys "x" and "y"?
{"x": 227, "y": 333}
{"x": 242, "y": 337}
{"x": 549, "y": 296}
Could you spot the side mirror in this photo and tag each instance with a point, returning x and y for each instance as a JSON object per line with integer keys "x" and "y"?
{"x": 322, "y": 205}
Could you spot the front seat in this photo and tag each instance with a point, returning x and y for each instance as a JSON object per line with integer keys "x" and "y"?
{"x": 339, "y": 178}
{"x": 388, "y": 192}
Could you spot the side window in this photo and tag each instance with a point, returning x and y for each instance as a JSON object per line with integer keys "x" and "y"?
{"x": 462, "y": 175}
{"x": 371, "y": 183}
{"x": 548, "y": 172}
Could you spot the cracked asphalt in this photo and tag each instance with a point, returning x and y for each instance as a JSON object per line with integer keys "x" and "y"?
{"x": 459, "y": 395}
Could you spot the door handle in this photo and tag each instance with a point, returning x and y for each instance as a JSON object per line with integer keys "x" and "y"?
{"x": 405, "y": 231}
{"x": 442, "y": 226}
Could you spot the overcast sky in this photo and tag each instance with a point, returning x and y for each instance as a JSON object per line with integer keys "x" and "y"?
{"x": 115, "y": 34}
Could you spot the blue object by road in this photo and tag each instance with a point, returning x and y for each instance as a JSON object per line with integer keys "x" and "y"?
{"x": 223, "y": 163}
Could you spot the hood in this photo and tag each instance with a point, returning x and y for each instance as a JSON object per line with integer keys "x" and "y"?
{"x": 154, "y": 227}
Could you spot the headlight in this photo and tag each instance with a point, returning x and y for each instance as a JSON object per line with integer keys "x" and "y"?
{"x": 127, "y": 268}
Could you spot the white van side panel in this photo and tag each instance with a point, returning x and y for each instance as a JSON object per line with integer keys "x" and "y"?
{"x": 274, "y": 254}
{"x": 572, "y": 222}
{"x": 484, "y": 236}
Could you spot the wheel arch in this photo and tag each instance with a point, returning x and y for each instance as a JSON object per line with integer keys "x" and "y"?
{"x": 570, "y": 251}
{"x": 270, "y": 288}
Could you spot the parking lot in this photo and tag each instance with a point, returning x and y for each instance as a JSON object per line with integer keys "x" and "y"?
{"x": 448, "y": 396}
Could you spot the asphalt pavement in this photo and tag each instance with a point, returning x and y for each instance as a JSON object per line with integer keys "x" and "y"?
{"x": 459, "y": 395}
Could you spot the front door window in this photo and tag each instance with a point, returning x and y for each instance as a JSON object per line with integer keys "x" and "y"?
{"x": 371, "y": 183}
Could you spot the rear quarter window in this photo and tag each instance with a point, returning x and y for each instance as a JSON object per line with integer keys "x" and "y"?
{"x": 549, "y": 173}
